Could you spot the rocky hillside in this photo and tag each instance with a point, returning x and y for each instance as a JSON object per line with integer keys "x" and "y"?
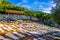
{"x": 21, "y": 27}
{"x": 27, "y": 30}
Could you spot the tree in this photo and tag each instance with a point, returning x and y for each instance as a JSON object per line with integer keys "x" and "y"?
{"x": 56, "y": 11}
{"x": 56, "y": 15}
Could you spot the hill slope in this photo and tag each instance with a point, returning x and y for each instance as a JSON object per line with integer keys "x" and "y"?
{"x": 4, "y": 5}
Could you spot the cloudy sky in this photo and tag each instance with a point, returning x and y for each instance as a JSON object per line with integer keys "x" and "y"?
{"x": 38, "y": 5}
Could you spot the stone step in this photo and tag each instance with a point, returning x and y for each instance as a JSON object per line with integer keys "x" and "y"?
{"x": 2, "y": 37}
{"x": 40, "y": 34}
{"x": 19, "y": 34}
{"x": 1, "y": 30}
{"x": 28, "y": 34}
{"x": 41, "y": 39}
{"x": 35, "y": 39}
{"x": 5, "y": 28}
{"x": 12, "y": 36}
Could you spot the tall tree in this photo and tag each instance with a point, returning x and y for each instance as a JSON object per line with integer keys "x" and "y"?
{"x": 56, "y": 13}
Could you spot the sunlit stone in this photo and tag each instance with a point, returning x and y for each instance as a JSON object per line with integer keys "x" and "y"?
{"x": 20, "y": 35}
{"x": 12, "y": 36}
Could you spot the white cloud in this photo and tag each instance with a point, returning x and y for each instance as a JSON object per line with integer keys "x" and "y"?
{"x": 47, "y": 10}
{"x": 53, "y": 5}
{"x": 23, "y": 1}
{"x": 48, "y": 6}
{"x": 18, "y": 4}
{"x": 36, "y": 5}
{"x": 26, "y": 6}
{"x": 41, "y": 6}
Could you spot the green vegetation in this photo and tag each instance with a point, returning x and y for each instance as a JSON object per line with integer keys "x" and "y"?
{"x": 4, "y": 5}
{"x": 56, "y": 15}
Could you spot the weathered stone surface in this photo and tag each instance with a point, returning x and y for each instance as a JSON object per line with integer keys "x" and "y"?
{"x": 25, "y": 30}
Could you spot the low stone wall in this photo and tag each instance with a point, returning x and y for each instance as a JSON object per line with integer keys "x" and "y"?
{"x": 6, "y": 17}
{"x": 17, "y": 17}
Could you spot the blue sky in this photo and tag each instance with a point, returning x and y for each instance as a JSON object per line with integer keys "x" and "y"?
{"x": 38, "y": 5}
